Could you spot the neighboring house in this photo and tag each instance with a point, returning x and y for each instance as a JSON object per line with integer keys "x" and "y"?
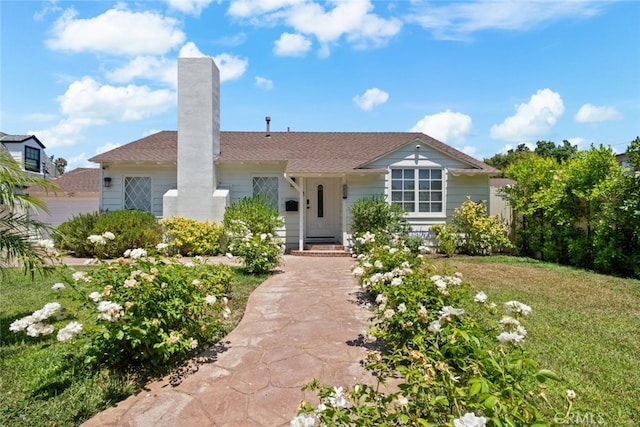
{"x": 312, "y": 178}
{"x": 79, "y": 194}
{"x": 28, "y": 151}
{"x": 623, "y": 160}
{"x": 498, "y": 204}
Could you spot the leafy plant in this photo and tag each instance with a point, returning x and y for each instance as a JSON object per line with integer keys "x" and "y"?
{"x": 190, "y": 237}
{"x": 250, "y": 227}
{"x": 17, "y": 227}
{"x": 131, "y": 228}
{"x": 453, "y": 357}
{"x": 153, "y": 312}
{"x": 479, "y": 233}
{"x": 447, "y": 238}
{"x": 375, "y": 216}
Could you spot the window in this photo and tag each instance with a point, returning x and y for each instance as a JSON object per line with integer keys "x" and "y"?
{"x": 320, "y": 201}
{"x": 267, "y": 187}
{"x": 137, "y": 193}
{"x": 418, "y": 190}
{"x": 31, "y": 159}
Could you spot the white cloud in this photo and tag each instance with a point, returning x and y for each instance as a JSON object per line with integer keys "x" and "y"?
{"x": 87, "y": 103}
{"x": 145, "y": 67}
{"x": 231, "y": 67}
{"x": 532, "y": 119}
{"x": 371, "y": 98}
{"x": 291, "y": 45}
{"x": 592, "y": 114}
{"x": 446, "y": 126}
{"x": 249, "y": 8}
{"x": 89, "y": 99}
{"x": 327, "y": 22}
{"x": 79, "y": 161}
{"x": 189, "y": 7}
{"x": 264, "y": 83}
{"x": 579, "y": 141}
{"x": 107, "y": 147}
{"x": 457, "y": 20}
{"x": 190, "y": 50}
{"x": 67, "y": 132}
{"x": 352, "y": 18}
{"x": 117, "y": 31}
{"x": 470, "y": 151}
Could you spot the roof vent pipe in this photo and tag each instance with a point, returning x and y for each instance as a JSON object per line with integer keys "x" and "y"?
{"x": 268, "y": 120}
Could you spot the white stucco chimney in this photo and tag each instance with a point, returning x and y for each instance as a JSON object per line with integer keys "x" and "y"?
{"x": 198, "y": 141}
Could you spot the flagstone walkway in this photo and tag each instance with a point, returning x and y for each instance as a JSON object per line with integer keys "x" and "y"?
{"x": 300, "y": 324}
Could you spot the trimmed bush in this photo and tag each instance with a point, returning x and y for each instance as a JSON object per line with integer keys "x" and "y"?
{"x": 130, "y": 229}
{"x": 72, "y": 234}
{"x": 190, "y": 237}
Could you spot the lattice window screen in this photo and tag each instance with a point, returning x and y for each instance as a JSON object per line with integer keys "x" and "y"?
{"x": 137, "y": 193}
{"x": 266, "y": 186}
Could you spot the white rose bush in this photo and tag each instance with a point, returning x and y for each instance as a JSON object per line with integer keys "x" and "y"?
{"x": 146, "y": 310}
{"x": 442, "y": 354}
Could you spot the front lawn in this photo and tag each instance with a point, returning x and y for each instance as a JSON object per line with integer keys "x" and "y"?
{"x": 47, "y": 383}
{"x": 584, "y": 326}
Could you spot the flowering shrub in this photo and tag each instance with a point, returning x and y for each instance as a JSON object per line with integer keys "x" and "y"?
{"x": 446, "y": 356}
{"x": 480, "y": 233}
{"x": 189, "y": 237}
{"x": 149, "y": 310}
{"x": 250, "y": 229}
{"x": 376, "y": 216}
{"x": 108, "y": 234}
{"x": 155, "y": 310}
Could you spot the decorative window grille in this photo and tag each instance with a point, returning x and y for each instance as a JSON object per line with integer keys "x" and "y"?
{"x": 137, "y": 193}
{"x": 267, "y": 187}
{"x": 418, "y": 190}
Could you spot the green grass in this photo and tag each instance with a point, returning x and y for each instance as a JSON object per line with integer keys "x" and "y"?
{"x": 584, "y": 326}
{"x": 44, "y": 382}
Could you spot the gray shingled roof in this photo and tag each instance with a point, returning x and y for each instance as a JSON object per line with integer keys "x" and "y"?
{"x": 18, "y": 138}
{"x": 304, "y": 152}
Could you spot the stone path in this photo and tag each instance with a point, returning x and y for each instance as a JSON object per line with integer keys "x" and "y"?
{"x": 299, "y": 325}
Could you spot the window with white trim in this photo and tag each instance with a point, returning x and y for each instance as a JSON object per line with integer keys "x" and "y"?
{"x": 267, "y": 187}
{"x": 31, "y": 159}
{"x": 137, "y": 193}
{"x": 418, "y": 190}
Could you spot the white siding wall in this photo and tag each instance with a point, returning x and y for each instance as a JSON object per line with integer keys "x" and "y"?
{"x": 457, "y": 188}
{"x": 238, "y": 178}
{"x": 16, "y": 149}
{"x": 163, "y": 178}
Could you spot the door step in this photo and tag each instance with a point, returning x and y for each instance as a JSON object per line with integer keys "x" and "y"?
{"x": 323, "y": 250}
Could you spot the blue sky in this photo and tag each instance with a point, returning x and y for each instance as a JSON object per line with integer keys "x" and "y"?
{"x": 482, "y": 76}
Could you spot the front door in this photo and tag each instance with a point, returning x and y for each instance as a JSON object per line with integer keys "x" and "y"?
{"x": 323, "y": 209}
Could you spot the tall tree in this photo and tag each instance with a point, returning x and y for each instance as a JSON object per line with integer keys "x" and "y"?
{"x": 61, "y": 165}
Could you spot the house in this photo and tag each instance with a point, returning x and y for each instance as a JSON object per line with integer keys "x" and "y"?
{"x": 499, "y": 205}
{"x": 28, "y": 151}
{"x": 312, "y": 178}
{"x": 79, "y": 193}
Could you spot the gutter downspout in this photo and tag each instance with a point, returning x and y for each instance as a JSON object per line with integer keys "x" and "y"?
{"x": 300, "y": 211}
